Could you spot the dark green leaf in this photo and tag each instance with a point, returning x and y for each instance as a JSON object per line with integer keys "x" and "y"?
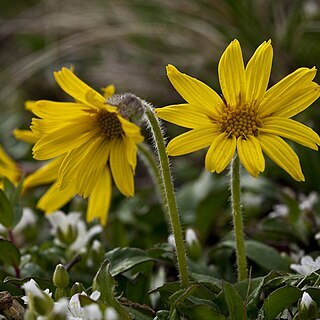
{"x": 265, "y": 256}
{"x": 105, "y": 284}
{"x": 279, "y": 300}
{"x": 123, "y": 259}
{"x": 6, "y": 211}
{"x": 9, "y": 253}
{"x": 234, "y": 301}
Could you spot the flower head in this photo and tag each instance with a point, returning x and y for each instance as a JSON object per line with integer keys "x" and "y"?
{"x": 248, "y": 118}
{"x": 90, "y": 143}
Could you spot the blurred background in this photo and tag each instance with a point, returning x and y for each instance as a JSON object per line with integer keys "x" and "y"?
{"x": 128, "y": 43}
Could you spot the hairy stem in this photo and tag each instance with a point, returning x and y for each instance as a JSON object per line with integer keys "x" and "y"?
{"x": 237, "y": 220}
{"x": 168, "y": 195}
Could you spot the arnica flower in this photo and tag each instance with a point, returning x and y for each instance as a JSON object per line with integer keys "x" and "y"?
{"x": 90, "y": 144}
{"x": 8, "y": 168}
{"x": 248, "y": 118}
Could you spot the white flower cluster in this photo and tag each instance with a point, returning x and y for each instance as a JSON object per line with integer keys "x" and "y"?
{"x": 43, "y": 307}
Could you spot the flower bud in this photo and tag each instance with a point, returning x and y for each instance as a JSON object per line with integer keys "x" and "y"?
{"x": 60, "y": 277}
{"x": 307, "y": 308}
{"x": 77, "y": 288}
{"x": 193, "y": 245}
{"x": 129, "y": 106}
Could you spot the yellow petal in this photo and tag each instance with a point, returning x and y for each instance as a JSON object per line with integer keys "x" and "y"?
{"x": 76, "y": 88}
{"x": 57, "y": 110}
{"x": 192, "y": 140}
{"x": 64, "y": 139}
{"x": 69, "y": 169}
{"x": 292, "y": 130}
{"x": 99, "y": 200}
{"x": 8, "y": 168}
{"x": 232, "y": 75}
{"x": 299, "y": 101}
{"x": 122, "y": 172}
{"x": 184, "y": 115}
{"x": 292, "y": 88}
{"x": 258, "y": 73}
{"x": 46, "y": 174}
{"x": 131, "y": 148}
{"x": 282, "y": 154}
{"x": 220, "y": 153}
{"x": 25, "y": 135}
{"x": 250, "y": 154}
{"x": 108, "y": 91}
{"x": 55, "y": 199}
{"x": 131, "y": 130}
{"x": 29, "y": 105}
{"x": 91, "y": 166}
{"x": 41, "y": 127}
{"x": 196, "y": 92}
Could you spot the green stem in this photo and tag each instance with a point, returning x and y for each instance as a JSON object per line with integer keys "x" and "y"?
{"x": 148, "y": 157}
{"x": 237, "y": 220}
{"x": 168, "y": 195}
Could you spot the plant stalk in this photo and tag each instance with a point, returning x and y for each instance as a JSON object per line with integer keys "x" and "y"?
{"x": 237, "y": 220}
{"x": 168, "y": 195}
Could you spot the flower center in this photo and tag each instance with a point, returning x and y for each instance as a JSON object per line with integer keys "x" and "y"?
{"x": 109, "y": 124}
{"x": 240, "y": 122}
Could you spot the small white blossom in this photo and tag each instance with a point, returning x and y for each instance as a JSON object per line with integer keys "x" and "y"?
{"x": 307, "y": 265}
{"x": 279, "y": 210}
{"x": 307, "y": 202}
{"x": 191, "y": 236}
{"x": 172, "y": 241}
{"x": 72, "y": 221}
{"x": 32, "y": 287}
{"x": 306, "y": 300}
{"x": 111, "y": 314}
{"x": 28, "y": 218}
{"x": 76, "y": 312}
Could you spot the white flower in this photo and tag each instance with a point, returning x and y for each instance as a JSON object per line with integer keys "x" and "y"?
{"x": 84, "y": 235}
{"x": 280, "y": 210}
{"x": 32, "y": 287}
{"x": 191, "y": 236}
{"x": 307, "y": 265}
{"x": 71, "y": 229}
{"x": 28, "y": 218}
{"x": 306, "y": 300}
{"x": 172, "y": 241}
{"x": 76, "y": 312}
{"x": 110, "y": 314}
{"x": 307, "y": 202}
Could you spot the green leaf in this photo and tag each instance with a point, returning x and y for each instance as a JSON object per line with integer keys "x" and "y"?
{"x": 123, "y": 259}
{"x": 105, "y": 284}
{"x": 279, "y": 300}
{"x": 6, "y": 211}
{"x": 234, "y": 301}
{"x": 9, "y": 253}
{"x": 265, "y": 256}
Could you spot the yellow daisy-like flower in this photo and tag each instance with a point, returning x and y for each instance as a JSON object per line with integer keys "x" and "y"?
{"x": 90, "y": 143}
{"x": 8, "y": 168}
{"x": 249, "y": 119}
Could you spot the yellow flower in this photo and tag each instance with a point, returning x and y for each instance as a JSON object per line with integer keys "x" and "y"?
{"x": 90, "y": 143}
{"x": 8, "y": 168}
{"x": 249, "y": 119}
